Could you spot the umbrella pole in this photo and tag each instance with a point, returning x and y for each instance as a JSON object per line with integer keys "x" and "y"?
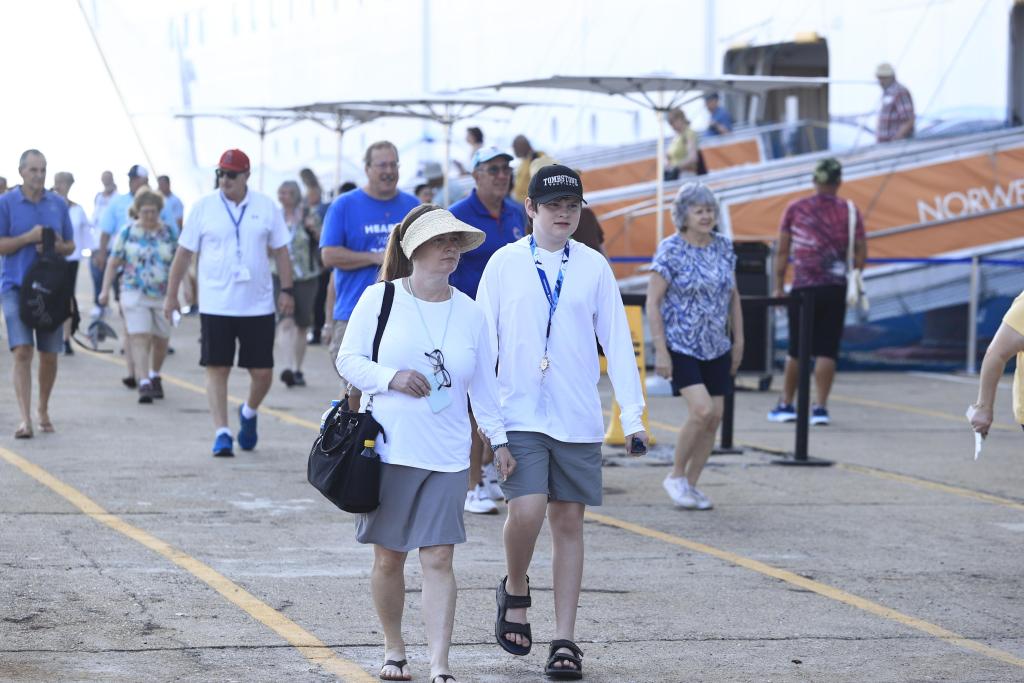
{"x": 447, "y": 158}
{"x": 660, "y": 180}
{"x": 263, "y": 137}
{"x": 337, "y": 161}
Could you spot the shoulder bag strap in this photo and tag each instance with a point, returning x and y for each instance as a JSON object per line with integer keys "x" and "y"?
{"x": 382, "y": 319}
{"x": 851, "y": 211}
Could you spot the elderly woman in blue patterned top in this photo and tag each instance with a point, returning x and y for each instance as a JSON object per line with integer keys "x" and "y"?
{"x": 693, "y": 309}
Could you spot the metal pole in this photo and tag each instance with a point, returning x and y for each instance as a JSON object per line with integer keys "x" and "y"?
{"x": 263, "y": 137}
{"x": 972, "y": 316}
{"x": 660, "y": 180}
{"x": 803, "y": 400}
{"x": 337, "y": 161}
{"x": 447, "y": 158}
{"x": 725, "y": 445}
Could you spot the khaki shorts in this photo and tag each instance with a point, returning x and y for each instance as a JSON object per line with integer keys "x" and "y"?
{"x": 337, "y": 334}
{"x": 144, "y": 314}
{"x": 567, "y": 472}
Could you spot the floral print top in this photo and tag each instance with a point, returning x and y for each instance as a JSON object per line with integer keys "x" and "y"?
{"x": 147, "y": 256}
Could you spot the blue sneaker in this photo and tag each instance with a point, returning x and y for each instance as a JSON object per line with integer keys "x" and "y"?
{"x": 247, "y": 432}
{"x": 783, "y": 412}
{"x": 222, "y": 446}
{"x": 819, "y": 415}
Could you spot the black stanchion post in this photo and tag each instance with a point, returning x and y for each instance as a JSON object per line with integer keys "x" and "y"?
{"x": 725, "y": 446}
{"x": 803, "y": 396}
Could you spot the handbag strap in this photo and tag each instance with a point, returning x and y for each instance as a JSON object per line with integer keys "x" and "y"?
{"x": 851, "y": 221}
{"x": 382, "y": 318}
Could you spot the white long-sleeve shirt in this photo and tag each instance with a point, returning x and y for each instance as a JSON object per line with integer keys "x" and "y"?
{"x": 566, "y": 405}
{"x": 416, "y": 436}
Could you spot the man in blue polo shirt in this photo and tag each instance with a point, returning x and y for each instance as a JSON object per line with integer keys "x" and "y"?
{"x": 356, "y": 230}
{"x": 489, "y": 208}
{"x": 24, "y": 212}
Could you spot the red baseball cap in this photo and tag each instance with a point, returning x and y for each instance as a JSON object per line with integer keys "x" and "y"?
{"x": 234, "y": 160}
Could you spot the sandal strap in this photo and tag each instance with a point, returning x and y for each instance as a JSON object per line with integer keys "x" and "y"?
{"x": 508, "y": 627}
{"x": 510, "y": 601}
{"x": 444, "y": 678}
{"x": 568, "y": 645}
{"x": 398, "y": 663}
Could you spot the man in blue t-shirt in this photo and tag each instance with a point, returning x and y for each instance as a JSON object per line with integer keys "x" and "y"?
{"x": 24, "y": 212}
{"x": 356, "y": 230}
{"x": 489, "y": 208}
{"x": 721, "y": 120}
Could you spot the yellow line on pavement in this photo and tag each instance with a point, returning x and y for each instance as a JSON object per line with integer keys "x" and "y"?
{"x": 814, "y": 586}
{"x": 934, "y": 485}
{"x": 903, "y": 408}
{"x": 305, "y": 642}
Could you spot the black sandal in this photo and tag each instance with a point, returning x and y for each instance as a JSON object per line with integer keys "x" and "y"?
{"x": 444, "y": 678}
{"x": 398, "y": 664}
{"x": 503, "y": 628}
{"x": 564, "y": 673}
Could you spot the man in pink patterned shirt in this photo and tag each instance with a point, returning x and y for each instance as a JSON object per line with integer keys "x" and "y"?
{"x": 896, "y": 117}
{"x": 816, "y": 231}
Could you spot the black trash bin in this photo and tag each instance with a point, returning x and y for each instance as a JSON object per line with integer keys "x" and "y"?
{"x": 754, "y": 279}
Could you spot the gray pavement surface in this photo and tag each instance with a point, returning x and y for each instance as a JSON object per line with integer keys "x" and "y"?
{"x": 941, "y": 545}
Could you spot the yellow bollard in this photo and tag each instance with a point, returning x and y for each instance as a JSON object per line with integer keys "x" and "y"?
{"x": 614, "y": 435}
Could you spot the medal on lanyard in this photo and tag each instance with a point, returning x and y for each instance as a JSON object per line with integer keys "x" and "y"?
{"x": 552, "y": 296}
{"x": 241, "y": 271}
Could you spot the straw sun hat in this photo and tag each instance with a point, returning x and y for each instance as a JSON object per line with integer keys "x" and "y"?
{"x": 440, "y": 222}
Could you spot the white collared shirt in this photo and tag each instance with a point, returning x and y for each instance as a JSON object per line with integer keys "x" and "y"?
{"x": 210, "y": 231}
{"x": 566, "y": 404}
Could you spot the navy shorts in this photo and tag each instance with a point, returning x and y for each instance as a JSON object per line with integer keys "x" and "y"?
{"x": 254, "y": 334}
{"x": 827, "y": 328}
{"x": 714, "y": 374}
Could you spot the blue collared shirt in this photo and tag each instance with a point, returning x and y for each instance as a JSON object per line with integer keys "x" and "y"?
{"x": 501, "y": 230}
{"x": 19, "y": 215}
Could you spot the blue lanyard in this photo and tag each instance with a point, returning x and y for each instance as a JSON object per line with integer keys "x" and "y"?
{"x": 237, "y": 222}
{"x": 551, "y": 295}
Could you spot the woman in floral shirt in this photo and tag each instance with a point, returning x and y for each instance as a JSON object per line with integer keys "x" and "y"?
{"x": 145, "y": 249}
{"x": 692, "y": 305}
{"x": 304, "y": 227}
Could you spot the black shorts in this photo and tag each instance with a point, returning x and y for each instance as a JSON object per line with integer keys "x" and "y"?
{"x": 714, "y": 374}
{"x": 829, "y": 316}
{"x": 255, "y": 335}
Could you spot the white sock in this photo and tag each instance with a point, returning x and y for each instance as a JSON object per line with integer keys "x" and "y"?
{"x": 144, "y": 382}
{"x": 153, "y": 374}
{"x": 247, "y": 412}
{"x": 223, "y": 430}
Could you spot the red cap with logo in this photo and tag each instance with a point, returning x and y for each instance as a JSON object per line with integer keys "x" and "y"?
{"x": 234, "y": 160}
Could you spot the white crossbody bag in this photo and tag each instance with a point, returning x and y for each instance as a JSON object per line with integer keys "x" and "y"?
{"x": 856, "y": 297}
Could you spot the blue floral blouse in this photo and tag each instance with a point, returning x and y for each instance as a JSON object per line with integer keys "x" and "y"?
{"x": 696, "y": 305}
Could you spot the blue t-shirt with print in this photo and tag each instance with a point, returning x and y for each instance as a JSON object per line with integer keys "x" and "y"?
{"x": 357, "y": 221}
{"x": 509, "y": 227}
{"x": 696, "y": 305}
{"x": 19, "y": 215}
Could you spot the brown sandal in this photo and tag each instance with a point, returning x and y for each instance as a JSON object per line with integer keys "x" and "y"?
{"x": 23, "y": 432}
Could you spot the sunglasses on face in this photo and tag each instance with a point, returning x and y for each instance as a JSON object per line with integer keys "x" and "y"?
{"x": 230, "y": 175}
{"x": 497, "y": 170}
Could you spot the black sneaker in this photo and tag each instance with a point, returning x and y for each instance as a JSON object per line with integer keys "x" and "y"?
{"x": 129, "y": 381}
{"x": 300, "y": 380}
{"x": 146, "y": 392}
{"x": 158, "y": 387}
{"x": 68, "y": 351}
{"x": 288, "y": 377}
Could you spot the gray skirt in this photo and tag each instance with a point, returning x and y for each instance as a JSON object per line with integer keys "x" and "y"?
{"x": 418, "y": 508}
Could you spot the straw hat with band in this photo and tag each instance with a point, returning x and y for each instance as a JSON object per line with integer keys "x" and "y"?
{"x": 439, "y": 222}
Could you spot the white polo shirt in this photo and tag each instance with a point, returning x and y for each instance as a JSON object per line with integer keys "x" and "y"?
{"x": 227, "y": 254}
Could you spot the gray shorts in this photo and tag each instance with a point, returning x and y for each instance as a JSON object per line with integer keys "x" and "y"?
{"x": 567, "y": 472}
{"x": 304, "y": 295}
{"x": 337, "y": 334}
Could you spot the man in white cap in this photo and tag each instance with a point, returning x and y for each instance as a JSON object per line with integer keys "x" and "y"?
{"x": 488, "y": 208}
{"x": 896, "y": 117}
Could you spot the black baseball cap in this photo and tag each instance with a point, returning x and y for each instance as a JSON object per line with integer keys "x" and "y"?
{"x": 553, "y": 182}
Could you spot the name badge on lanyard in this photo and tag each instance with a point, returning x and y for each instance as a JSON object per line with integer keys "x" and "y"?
{"x": 239, "y": 272}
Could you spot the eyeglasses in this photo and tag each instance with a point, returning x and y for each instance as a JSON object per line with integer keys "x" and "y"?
{"x": 230, "y": 175}
{"x": 385, "y": 165}
{"x": 444, "y": 379}
{"x": 497, "y": 170}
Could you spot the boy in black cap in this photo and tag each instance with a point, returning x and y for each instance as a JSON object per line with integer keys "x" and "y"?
{"x": 545, "y": 297}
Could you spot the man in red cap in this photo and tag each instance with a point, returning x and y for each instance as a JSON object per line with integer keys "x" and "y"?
{"x": 232, "y": 230}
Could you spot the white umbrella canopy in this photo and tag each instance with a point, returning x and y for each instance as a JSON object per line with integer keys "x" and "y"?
{"x": 661, "y": 93}
{"x": 443, "y": 109}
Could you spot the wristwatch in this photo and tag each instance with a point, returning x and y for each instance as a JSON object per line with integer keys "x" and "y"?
{"x": 496, "y": 446}
{"x": 290, "y": 291}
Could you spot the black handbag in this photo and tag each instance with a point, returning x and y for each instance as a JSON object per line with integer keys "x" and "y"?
{"x": 341, "y": 466}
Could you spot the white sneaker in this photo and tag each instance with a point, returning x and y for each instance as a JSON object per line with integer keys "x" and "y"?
{"x": 478, "y": 503}
{"x": 679, "y": 491}
{"x": 489, "y": 478}
{"x": 703, "y": 502}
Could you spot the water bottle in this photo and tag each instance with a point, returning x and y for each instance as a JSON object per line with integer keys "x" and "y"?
{"x": 323, "y": 418}
{"x": 368, "y": 449}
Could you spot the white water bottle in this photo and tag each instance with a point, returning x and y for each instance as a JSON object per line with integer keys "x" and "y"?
{"x": 323, "y": 418}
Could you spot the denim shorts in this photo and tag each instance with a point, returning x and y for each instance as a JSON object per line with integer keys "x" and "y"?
{"x": 20, "y": 334}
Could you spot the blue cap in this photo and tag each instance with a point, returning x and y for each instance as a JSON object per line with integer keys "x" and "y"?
{"x": 485, "y": 154}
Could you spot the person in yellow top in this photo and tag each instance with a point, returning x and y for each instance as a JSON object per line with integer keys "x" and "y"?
{"x": 525, "y": 153}
{"x": 681, "y": 158}
{"x": 1009, "y": 340}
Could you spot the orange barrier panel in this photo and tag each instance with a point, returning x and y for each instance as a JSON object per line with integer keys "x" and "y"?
{"x": 732, "y": 154}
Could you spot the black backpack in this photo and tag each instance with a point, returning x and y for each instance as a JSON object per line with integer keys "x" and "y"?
{"x": 45, "y": 298}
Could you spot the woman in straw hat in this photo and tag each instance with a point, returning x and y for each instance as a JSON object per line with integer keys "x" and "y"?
{"x": 435, "y": 353}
